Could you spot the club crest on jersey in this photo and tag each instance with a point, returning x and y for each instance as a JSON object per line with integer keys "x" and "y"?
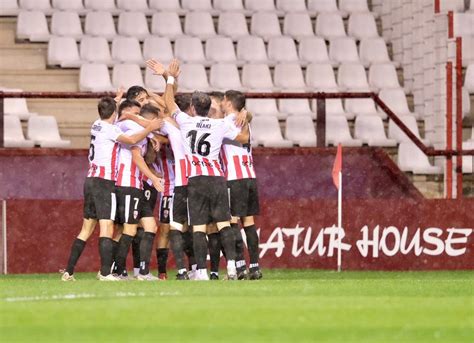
{"x": 166, "y": 213}
{"x": 135, "y": 214}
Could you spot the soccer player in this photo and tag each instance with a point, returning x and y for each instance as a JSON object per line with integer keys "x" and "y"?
{"x": 99, "y": 187}
{"x": 243, "y": 192}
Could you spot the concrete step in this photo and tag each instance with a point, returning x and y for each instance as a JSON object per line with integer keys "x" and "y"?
{"x": 66, "y": 80}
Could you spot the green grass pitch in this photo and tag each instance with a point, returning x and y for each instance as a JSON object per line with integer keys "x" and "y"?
{"x": 286, "y": 306}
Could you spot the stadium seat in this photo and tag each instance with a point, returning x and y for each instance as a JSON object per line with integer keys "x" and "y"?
{"x": 314, "y": 50}
{"x": 466, "y": 102}
{"x": 469, "y": 79}
{"x": 251, "y": 49}
{"x": 468, "y": 161}
{"x": 265, "y": 25}
{"x": 282, "y": 49}
{"x": 43, "y": 6}
{"x": 463, "y": 24}
{"x": 343, "y": 50}
{"x": 69, "y": 5}
{"x": 166, "y": 24}
{"x": 199, "y": 24}
{"x": 17, "y": 106}
{"x": 353, "y": 6}
{"x": 100, "y": 24}
{"x": 291, "y": 5}
{"x": 374, "y": 50}
{"x": 266, "y": 131}
{"x": 220, "y": 49}
{"x": 260, "y": 5}
{"x": 296, "y": 107}
{"x": 32, "y": 25}
{"x": 370, "y": 130}
{"x": 362, "y": 25}
{"x": 197, "y": 5}
{"x": 300, "y": 130}
{"x": 412, "y": 159}
{"x": 127, "y": 50}
{"x": 322, "y": 6}
{"x": 298, "y": 25}
{"x": 193, "y": 77}
{"x": 63, "y": 51}
{"x": 154, "y": 82}
{"x": 95, "y": 50}
{"x": 134, "y": 5}
{"x": 467, "y": 50}
{"x": 451, "y": 5}
{"x": 189, "y": 50}
{"x": 329, "y": 26}
{"x": 158, "y": 48}
{"x": 352, "y": 77}
{"x": 394, "y": 132}
{"x": 224, "y": 76}
{"x": 320, "y": 78}
{"x": 94, "y": 77}
{"x": 43, "y": 130}
{"x": 14, "y": 137}
{"x": 102, "y": 5}
{"x": 228, "y": 5}
{"x": 171, "y": 6}
{"x": 257, "y": 77}
{"x": 127, "y": 75}
{"x": 264, "y": 107}
{"x": 333, "y": 108}
{"x": 233, "y": 25}
{"x": 9, "y": 8}
{"x": 362, "y": 107}
{"x": 383, "y": 76}
{"x": 396, "y": 100}
{"x": 133, "y": 24}
{"x": 66, "y": 24}
{"x": 337, "y": 131}
{"x": 289, "y": 77}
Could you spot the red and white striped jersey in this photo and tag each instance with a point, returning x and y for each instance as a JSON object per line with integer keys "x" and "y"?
{"x": 166, "y": 163}
{"x": 180, "y": 165}
{"x": 237, "y": 158}
{"x": 128, "y": 173}
{"x": 202, "y": 138}
{"x": 104, "y": 150}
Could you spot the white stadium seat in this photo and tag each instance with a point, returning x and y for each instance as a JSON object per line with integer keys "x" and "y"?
{"x": 300, "y": 130}
{"x": 17, "y": 106}
{"x": 158, "y": 48}
{"x": 193, "y": 77}
{"x": 260, "y": 5}
{"x": 127, "y": 50}
{"x": 264, "y": 107}
{"x": 69, "y": 5}
{"x": 13, "y": 131}
{"x": 396, "y": 100}
{"x": 330, "y": 25}
{"x": 189, "y": 50}
{"x": 323, "y": 6}
{"x": 224, "y": 76}
{"x": 362, "y": 25}
{"x": 353, "y": 6}
{"x": 467, "y": 50}
{"x": 257, "y": 77}
{"x": 228, "y": 5}
{"x": 468, "y": 161}
{"x": 95, "y": 77}
{"x": 362, "y": 107}
{"x": 298, "y": 25}
{"x": 166, "y": 6}
{"x": 412, "y": 159}
{"x": 133, "y": 24}
{"x": 154, "y": 82}
{"x": 313, "y": 50}
{"x": 127, "y": 75}
{"x": 233, "y": 25}
{"x": 282, "y": 49}
{"x": 337, "y": 131}
{"x": 265, "y": 25}
{"x": 394, "y": 132}
{"x": 463, "y": 24}
{"x": 266, "y": 131}
{"x": 63, "y": 51}
{"x": 95, "y": 49}
{"x": 333, "y": 108}
{"x": 343, "y": 50}
{"x": 43, "y": 6}
{"x": 251, "y": 49}
{"x": 199, "y": 24}
{"x": 220, "y": 49}
{"x": 134, "y": 5}
{"x": 466, "y": 102}
{"x": 352, "y": 77}
{"x": 383, "y": 76}
{"x": 373, "y": 50}
{"x": 289, "y": 77}
{"x": 469, "y": 79}
{"x": 296, "y": 107}
{"x": 166, "y": 24}
{"x": 291, "y": 5}
{"x": 197, "y": 5}
{"x": 101, "y": 5}
{"x": 370, "y": 130}
{"x": 66, "y": 24}
{"x": 320, "y": 78}
{"x": 100, "y": 24}
{"x": 32, "y": 25}
{"x": 43, "y": 130}
{"x": 9, "y": 8}
{"x": 451, "y": 5}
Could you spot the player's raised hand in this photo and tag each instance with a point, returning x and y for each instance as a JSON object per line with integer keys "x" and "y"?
{"x": 158, "y": 184}
{"x": 156, "y": 124}
{"x": 156, "y": 67}
{"x": 241, "y": 118}
{"x": 119, "y": 94}
{"x": 173, "y": 68}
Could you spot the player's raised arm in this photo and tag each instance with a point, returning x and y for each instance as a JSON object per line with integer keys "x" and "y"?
{"x": 151, "y": 126}
{"x": 172, "y": 72}
{"x": 143, "y": 167}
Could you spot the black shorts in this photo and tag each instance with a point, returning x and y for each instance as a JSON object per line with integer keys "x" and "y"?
{"x": 179, "y": 205}
{"x": 150, "y": 195}
{"x": 165, "y": 209}
{"x": 208, "y": 200}
{"x": 99, "y": 199}
{"x": 243, "y": 195}
{"x": 130, "y": 207}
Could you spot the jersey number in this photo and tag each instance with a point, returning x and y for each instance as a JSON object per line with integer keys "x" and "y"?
{"x": 92, "y": 149}
{"x": 203, "y": 146}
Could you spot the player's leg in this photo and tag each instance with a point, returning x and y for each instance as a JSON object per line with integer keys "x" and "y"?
{"x": 136, "y": 250}
{"x": 250, "y": 229}
{"x": 106, "y": 246}
{"x": 200, "y": 251}
{"x": 146, "y": 247}
{"x": 177, "y": 219}
{"x": 214, "y": 245}
{"x": 129, "y": 231}
{"x": 188, "y": 248}
{"x": 239, "y": 249}
{"x": 162, "y": 250}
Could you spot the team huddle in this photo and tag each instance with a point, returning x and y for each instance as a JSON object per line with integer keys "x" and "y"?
{"x": 192, "y": 151}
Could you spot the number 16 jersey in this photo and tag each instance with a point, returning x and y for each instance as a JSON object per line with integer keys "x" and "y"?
{"x": 202, "y": 139}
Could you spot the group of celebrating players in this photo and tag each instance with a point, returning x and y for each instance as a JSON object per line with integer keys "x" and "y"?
{"x": 193, "y": 149}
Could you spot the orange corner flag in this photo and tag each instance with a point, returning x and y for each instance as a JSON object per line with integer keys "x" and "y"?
{"x": 337, "y": 166}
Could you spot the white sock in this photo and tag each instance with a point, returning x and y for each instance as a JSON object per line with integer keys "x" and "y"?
{"x": 182, "y": 271}
{"x": 254, "y": 265}
{"x": 231, "y": 266}
{"x": 194, "y": 267}
{"x": 136, "y": 271}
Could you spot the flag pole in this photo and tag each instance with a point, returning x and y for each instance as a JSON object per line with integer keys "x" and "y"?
{"x": 339, "y": 222}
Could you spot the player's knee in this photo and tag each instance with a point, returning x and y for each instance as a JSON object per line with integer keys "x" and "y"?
{"x": 248, "y": 221}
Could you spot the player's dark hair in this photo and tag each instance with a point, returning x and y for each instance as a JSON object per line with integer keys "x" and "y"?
{"x": 201, "y": 102}
{"x": 217, "y": 95}
{"x": 134, "y": 91}
{"x": 149, "y": 111}
{"x": 236, "y": 98}
{"x": 106, "y": 107}
{"x": 127, "y": 104}
{"x": 183, "y": 101}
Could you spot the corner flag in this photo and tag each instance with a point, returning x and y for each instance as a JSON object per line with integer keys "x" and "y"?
{"x": 337, "y": 179}
{"x": 337, "y": 168}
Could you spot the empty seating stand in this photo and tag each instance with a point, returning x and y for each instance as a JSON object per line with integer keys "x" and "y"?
{"x": 43, "y": 130}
